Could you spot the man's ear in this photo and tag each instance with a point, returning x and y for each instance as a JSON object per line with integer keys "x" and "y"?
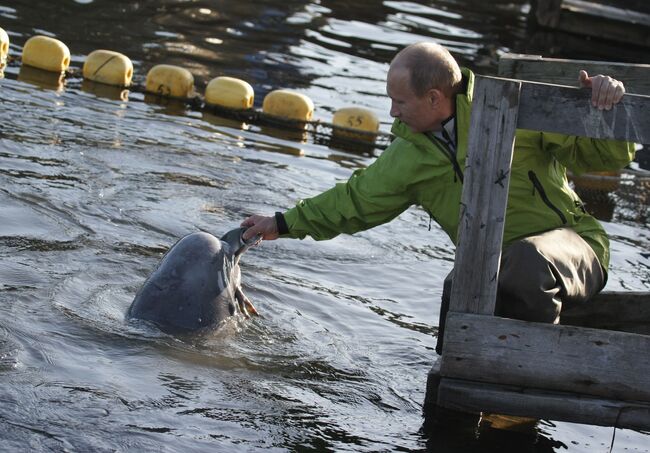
{"x": 435, "y": 96}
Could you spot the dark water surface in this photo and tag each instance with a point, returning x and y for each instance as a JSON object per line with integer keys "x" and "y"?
{"x": 93, "y": 190}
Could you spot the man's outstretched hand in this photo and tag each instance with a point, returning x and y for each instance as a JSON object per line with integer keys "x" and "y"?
{"x": 262, "y": 225}
{"x": 605, "y": 91}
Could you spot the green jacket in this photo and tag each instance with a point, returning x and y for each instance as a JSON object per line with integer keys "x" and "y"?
{"x": 416, "y": 169}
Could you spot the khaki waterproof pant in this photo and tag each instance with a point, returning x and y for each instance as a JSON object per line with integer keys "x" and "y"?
{"x": 538, "y": 275}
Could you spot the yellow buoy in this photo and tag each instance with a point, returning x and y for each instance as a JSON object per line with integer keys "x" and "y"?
{"x": 229, "y": 92}
{"x": 169, "y": 80}
{"x": 106, "y": 66}
{"x": 4, "y": 45}
{"x": 288, "y": 104}
{"x": 348, "y": 120}
{"x": 46, "y": 53}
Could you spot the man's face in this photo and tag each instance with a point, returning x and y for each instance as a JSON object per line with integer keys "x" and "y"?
{"x": 421, "y": 114}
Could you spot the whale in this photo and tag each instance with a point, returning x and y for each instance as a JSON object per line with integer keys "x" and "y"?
{"x": 196, "y": 285}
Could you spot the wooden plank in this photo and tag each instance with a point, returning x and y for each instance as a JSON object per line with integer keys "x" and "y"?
{"x": 561, "y": 406}
{"x": 595, "y": 19}
{"x": 568, "y": 110}
{"x": 635, "y": 5}
{"x": 625, "y": 311}
{"x": 606, "y": 11}
{"x": 594, "y": 362}
{"x": 482, "y": 212}
{"x": 636, "y": 77}
{"x": 603, "y": 29}
{"x": 640, "y": 298}
{"x": 561, "y": 43}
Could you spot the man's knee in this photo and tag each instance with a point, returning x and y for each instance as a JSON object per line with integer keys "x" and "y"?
{"x": 528, "y": 287}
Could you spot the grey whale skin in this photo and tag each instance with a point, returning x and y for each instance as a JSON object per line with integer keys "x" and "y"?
{"x": 196, "y": 285}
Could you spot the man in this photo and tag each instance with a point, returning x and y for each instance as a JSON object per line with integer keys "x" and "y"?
{"x": 554, "y": 252}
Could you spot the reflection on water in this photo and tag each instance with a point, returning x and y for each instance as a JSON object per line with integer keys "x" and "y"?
{"x": 97, "y": 183}
{"x": 41, "y": 78}
{"x": 105, "y": 91}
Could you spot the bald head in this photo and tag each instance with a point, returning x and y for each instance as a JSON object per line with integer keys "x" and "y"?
{"x": 429, "y": 65}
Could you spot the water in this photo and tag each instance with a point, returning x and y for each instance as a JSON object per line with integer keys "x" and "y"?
{"x": 94, "y": 189}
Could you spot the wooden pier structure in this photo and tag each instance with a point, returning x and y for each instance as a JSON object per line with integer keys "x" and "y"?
{"x": 623, "y": 21}
{"x": 596, "y": 371}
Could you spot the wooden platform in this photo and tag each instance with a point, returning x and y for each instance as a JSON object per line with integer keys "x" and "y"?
{"x": 560, "y": 372}
{"x": 623, "y": 21}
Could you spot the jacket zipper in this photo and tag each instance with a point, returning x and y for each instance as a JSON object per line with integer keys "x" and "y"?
{"x": 538, "y": 185}
{"x": 458, "y": 173}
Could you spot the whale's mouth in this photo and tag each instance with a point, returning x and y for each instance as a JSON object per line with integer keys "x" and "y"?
{"x": 252, "y": 242}
{"x": 235, "y": 239}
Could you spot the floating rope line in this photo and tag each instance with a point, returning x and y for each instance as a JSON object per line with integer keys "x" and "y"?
{"x": 352, "y": 128}
{"x": 168, "y": 80}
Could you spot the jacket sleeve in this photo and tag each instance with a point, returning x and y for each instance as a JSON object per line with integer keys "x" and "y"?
{"x": 371, "y": 196}
{"x": 582, "y": 154}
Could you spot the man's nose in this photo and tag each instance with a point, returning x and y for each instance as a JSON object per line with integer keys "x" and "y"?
{"x": 394, "y": 111}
